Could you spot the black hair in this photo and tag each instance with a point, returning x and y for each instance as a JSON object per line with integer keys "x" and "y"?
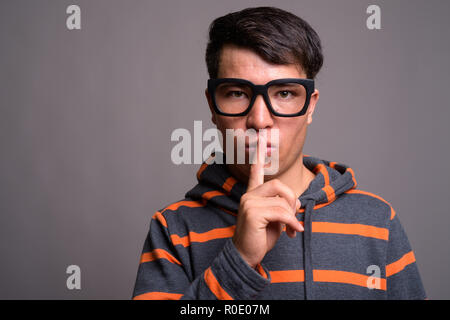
{"x": 277, "y": 36}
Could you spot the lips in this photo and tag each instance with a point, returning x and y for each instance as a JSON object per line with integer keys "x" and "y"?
{"x": 253, "y": 145}
{"x": 269, "y": 150}
{"x": 251, "y": 142}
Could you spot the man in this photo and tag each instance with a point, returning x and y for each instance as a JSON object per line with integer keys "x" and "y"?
{"x": 304, "y": 232}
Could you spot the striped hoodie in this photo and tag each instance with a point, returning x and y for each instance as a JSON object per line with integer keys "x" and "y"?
{"x": 352, "y": 247}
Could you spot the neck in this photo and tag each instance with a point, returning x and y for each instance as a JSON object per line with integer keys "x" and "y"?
{"x": 297, "y": 177}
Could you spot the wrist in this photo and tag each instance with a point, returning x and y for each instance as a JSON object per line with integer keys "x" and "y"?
{"x": 252, "y": 264}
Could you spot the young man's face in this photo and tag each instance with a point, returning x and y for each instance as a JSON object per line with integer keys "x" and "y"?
{"x": 243, "y": 63}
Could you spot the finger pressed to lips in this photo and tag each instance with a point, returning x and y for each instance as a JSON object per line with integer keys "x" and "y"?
{"x": 256, "y": 177}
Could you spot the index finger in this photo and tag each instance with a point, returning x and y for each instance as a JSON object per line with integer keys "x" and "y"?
{"x": 256, "y": 176}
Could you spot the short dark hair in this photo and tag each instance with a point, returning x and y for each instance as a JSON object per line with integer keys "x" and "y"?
{"x": 277, "y": 36}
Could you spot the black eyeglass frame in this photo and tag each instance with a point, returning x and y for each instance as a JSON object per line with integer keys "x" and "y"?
{"x": 261, "y": 89}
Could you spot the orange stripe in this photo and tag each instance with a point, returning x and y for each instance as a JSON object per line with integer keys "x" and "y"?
{"x": 317, "y": 206}
{"x": 323, "y": 170}
{"x": 158, "y": 216}
{"x": 344, "y": 277}
{"x": 261, "y": 271}
{"x": 210, "y": 194}
{"x": 329, "y": 191}
{"x": 213, "y": 234}
{"x": 400, "y": 264}
{"x": 375, "y": 196}
{"x": 324, "y": 276}
{"x": 186, "y": 203}
{"x": 316, "y": 169}
{"x": 287, "y": 276}
{"x": 158, "y": 296}
{"x": 191, "y": 204}
{"x": 158, "y": 254}
{"x": 202, "y": 168}
{"x": 354, "y": 229}
{"x": 227, "y": 211}
{"x": 325, "y": 174}
{"x": 228, "y": 184}
{"x": 392, "y": 213}
{"x": 215, "y": 286}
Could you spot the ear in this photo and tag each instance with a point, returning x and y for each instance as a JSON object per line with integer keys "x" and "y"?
{"x": 312, "y": 105}
{"x": 213, "y": 114}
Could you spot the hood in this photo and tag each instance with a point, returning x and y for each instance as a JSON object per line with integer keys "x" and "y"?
{"x": 217, "y": 187}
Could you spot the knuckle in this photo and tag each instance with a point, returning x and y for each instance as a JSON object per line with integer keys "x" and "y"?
{"x": 246, "y": 206}
{"x": 292, "y": 193}
{"x": 293, "y": 196}
{"x": 276, "y": 183}
{"x": 287, "y": 200}
{"x": 280, "y": 210}
{"x": 244, "y": 197}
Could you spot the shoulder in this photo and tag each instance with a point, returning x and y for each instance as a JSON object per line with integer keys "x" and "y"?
{"x": 371, "y": 203}
{"x": 192, "y": 215}
{"x": 176, "y": 211}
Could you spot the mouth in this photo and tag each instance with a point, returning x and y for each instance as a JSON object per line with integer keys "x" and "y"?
{"x": 252, "y": 147}
{"x": 254, "y": 143}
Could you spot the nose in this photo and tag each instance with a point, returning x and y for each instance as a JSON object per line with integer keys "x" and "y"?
{"x": 259, "y": 116}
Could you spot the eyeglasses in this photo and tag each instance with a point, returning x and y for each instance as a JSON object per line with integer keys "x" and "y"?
{"x": 284, "y": 97}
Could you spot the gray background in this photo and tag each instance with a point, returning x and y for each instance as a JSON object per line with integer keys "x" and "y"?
{"x": 86, "y": 118}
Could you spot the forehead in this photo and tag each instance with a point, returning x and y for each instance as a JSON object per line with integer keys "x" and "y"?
{"x": 238, "y": 62}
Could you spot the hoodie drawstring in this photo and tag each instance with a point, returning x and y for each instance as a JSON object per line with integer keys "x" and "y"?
{"x": 307, "y": 256}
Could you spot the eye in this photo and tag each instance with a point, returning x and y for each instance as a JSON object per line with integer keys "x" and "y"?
{"x": 236, "y": 94}
{"x": 284, "y": 94}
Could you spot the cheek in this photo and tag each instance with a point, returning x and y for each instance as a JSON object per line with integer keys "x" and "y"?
{"x": 292, "y": 135}
{"x": 224, "y": 123}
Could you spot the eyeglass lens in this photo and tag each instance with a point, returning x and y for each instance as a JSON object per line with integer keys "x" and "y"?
{"x": 286, "y": 98}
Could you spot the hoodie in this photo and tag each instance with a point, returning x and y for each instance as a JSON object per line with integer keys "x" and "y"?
{"x": 352, "y": 247}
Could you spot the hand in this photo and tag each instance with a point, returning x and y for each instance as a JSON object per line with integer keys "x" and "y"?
{"x": 264, "y": 210}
